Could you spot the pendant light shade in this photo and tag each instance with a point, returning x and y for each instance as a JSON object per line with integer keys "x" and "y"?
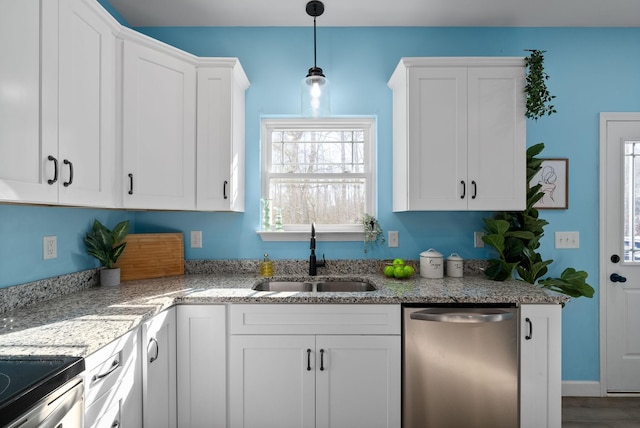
{"x": 315, "y": 86}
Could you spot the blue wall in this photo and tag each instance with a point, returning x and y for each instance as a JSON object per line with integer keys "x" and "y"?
{"x": 592, "y": 70}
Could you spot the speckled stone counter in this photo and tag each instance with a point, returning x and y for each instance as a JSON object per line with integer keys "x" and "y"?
{"x": 82, "y": 322}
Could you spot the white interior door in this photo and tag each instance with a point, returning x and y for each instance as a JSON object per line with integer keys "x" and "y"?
{"x": 620, "y": 251}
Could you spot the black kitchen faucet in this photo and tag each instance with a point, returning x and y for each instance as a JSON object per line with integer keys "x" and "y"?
{"x": 313, "y": 263}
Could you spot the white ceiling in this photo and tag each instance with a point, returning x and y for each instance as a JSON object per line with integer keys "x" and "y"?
{"x": 355, "y": 13}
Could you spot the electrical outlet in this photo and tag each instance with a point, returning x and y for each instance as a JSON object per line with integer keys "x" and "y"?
{"x": 477, "y": 239}
{"x": 567, "y": 239}
{"x": 49, "y": 247}
{"x": 393, "y": 240}
{"x": 196, "y": 239}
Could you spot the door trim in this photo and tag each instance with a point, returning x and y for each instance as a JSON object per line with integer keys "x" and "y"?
{"x": 602, "y": 263}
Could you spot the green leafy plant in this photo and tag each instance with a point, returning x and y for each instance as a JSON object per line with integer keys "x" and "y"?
{"x": 538, "y": 96}
{"x": 373, "y": 234}
{"x": 106, "y": 245}
{"x": 515, "y": 236}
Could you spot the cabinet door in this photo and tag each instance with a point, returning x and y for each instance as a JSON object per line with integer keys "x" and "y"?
{"x": 358, "y": 381}
{"x": 437, "y": 141}
{"x": 28, "y": 134}
{"x": 86, "y": 106}
{"x": 158, "y": 129}
{"x": 540, "y": 366}
{"x": 220, "y": 135}
{"x": 202, "y": 366}
{"x": 272, "y": 381}
{"x": 159, "y": 371}
{"x": 496, "y": 143}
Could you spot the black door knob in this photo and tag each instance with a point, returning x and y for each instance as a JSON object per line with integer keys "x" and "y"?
{"x": 617, "y": 278}
{"x": 615, "y": 258}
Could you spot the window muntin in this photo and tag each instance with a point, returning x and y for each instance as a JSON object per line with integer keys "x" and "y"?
{"x": 318, "y": 170}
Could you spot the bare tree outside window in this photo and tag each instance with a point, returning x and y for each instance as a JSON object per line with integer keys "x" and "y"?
{"x": 316, "y": 171}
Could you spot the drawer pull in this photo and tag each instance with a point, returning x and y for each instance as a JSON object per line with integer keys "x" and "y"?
{"x": 70, "y": 182}
{"x": 115, "y": 424}
{"x": 55, "y": 169}
{"x": 114, "y": 365}
{"x": 308, "y": 360}
{"x": 153, "y": 342}
{"x": 529, "y": 334}
{"x": 322, "y": 360}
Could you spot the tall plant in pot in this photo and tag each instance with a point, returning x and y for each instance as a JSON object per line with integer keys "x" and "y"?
{"x": 106, "y": 245}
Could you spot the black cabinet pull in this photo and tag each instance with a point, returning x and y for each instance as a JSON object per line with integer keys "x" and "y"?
{"x": 529, "y": 335}
{"x": 475, "y": 190}
{"x": 68, "y": 183}
{"x": 55, "y": 170}
{"x": 114, "y": 365}
{"x": 115, "y": 424}
{"x": 154, "y": 342}
{"x": 131, "y": 184}
{"x": 321, "y": 359}
{"x": 308, "y": 360}
{"x": 224, "y": 189}
{"x": 464, "y": 189}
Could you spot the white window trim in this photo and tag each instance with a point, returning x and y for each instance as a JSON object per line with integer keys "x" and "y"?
{"x": 324, "y": 232}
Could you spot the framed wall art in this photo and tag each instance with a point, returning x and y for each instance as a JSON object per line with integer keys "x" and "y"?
{"x": 554, "y": 179}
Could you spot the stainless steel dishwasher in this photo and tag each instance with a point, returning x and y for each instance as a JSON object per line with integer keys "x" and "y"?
{"x": 460, "y": 367}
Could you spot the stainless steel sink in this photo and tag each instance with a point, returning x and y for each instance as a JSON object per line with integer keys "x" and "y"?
{"x": 308, "y": 286}
{"x": 345, "y": 286}
{"x": 284, "y": 286}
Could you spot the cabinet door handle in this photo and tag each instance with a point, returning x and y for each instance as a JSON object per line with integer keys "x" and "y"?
{"x": 153, "y": 342}
{"x": 114, "y": 365}
{"x": 115, "y": 424}
{"x": 529, "y": 335}
{"x": 322, "y": 360}
{"x": 475, "y": 190}
{"x": 131, "y": 184}
{"x": 55, "y": 169}
{"x": 308, "y": 360}
{"x": 464, "y": 189}
{"x": 68, "y": 183}
{"x": 224, "y": 189}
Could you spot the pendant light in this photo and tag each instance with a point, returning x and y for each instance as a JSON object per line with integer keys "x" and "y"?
{"x": 315, "y": 86}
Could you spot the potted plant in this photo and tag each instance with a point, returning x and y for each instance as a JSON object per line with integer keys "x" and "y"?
{"x": 372, "y": 232}
{"x": 107, "y": 246}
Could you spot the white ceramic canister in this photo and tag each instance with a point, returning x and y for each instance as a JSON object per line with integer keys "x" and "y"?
{"x": 431, "y": 265}
{"x": 454, "y": 266}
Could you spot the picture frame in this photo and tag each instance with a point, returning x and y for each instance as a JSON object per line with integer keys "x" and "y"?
{"x": 554, "y": 178}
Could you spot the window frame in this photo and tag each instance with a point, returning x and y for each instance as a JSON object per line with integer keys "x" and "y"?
{"x": 324, "y": 232}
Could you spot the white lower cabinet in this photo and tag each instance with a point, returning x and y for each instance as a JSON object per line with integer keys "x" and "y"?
{"x": 202, "y": 366}
{"x": 112, "y": 380}
{"x": 314, "y": 366}
{"x": 159, "y": 371}
{"x": 540, "y": 366}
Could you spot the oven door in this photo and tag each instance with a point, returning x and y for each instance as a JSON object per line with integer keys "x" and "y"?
{"x": 61, "y": 409}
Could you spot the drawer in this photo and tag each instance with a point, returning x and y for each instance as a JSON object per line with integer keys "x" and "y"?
{"x": 314, "y": 319}
{"x": 105, "y": 412}
{"x": 109, "y": 365}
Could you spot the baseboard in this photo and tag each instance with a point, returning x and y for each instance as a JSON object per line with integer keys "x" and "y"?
{"x": 581, "y": 388}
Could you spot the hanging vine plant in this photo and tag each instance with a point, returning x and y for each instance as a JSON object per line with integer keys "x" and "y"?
{"x": 538, "y": 96}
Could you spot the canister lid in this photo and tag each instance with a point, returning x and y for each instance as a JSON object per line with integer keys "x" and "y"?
{"x": 454, "y": 257}
{"x": 430, "y": 253}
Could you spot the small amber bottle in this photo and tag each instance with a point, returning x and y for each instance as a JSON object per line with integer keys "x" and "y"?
{"x": 266, "y": 267}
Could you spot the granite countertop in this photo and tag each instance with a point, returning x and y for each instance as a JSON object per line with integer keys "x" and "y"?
{"x": 82, "y": 322}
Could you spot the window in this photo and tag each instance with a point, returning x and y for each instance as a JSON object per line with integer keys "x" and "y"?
{"x": 320, "y": 171}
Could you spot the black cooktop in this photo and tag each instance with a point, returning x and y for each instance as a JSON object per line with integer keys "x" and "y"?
{"x": 25, "y": 380}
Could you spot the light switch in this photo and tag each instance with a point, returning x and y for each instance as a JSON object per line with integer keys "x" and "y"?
{"x": 567, "y": 239}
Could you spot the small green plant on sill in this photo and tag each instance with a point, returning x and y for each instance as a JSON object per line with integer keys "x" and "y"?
{"x": 106, "y": 245}
{"x": 538, "y": 96}
{"x": 515, "y": 236}
{"x": 373, "y": 234}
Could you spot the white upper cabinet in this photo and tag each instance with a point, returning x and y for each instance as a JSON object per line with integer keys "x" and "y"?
{"x": 220, "y": 135}
{"x": 158, "y": 126}
{"x": 459, "y": 134}
{"x": 57, "y": 104}
{"x": 86, "y": 105}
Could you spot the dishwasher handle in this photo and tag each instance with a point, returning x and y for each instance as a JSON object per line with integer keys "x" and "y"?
{"x": 460, "y": 316}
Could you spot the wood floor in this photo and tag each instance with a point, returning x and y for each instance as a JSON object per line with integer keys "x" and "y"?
{"x": 597, "y": 412}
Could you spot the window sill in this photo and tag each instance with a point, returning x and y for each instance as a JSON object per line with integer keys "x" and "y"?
{"x": 321, "y": 235}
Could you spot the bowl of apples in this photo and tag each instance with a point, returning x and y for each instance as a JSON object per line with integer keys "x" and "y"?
{"x": 398, "y": 269}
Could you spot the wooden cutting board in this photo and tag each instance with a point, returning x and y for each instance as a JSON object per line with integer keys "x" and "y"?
{"x": 152, "y": 255}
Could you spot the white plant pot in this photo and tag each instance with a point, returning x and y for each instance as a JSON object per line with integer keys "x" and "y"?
{"x": 109, "y": 277}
